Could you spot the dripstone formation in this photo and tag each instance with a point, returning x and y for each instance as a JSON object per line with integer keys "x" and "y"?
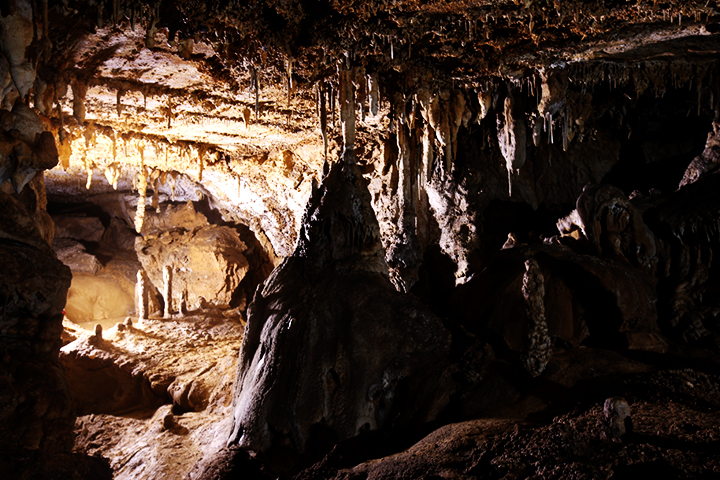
{"x": 387, "y": 239}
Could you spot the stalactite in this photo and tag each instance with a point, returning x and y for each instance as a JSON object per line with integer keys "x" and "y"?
{"x": 201, "y": 163}
{"x": 116, "y": 12}
{"x": 88, "y": 184}
{"x": 112, "y": 174}
{"x": 511, "y": 137}
{"x": 347, "y": 114}
{"x": 485, "y": 100}
{"x": 156, "y": 191}
{"x": 45, "y": 24}
{"x": 331, "y": 95}
{"x": 167, "y": 291}
{"x": 142, "y": 191}
{"x": 173, "y": 176}
{"x": 361, "y": 94}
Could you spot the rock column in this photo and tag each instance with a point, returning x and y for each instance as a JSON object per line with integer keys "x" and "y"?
{"x": 347, "y": 113}
{"x": 167, "y": 291}
{"x": 140, "y": 296}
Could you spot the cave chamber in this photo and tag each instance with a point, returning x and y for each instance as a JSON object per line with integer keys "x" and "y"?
{"x": 318, "y": 239}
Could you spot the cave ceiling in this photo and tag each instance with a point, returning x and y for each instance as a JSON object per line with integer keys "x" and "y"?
{"x": 195, "y": 98}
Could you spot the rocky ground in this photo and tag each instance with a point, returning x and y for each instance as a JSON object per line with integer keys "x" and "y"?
{"x": 154, "y": 396}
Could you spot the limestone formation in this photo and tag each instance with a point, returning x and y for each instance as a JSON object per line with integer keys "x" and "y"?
{"x": 205, "y": 262}
{"x": 167, "y": 291}
{"x": 539, "y": 345}
{"x": 464, "y": 121}
{"x": 141, "y": 296}
{"x": 377, "y": 351}
{"x": 617, "y": 417}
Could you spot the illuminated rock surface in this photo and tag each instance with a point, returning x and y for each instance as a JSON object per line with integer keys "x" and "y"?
{"x": 510, "y": 251}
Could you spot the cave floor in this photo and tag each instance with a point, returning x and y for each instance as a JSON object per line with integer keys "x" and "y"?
{"x": 153, "y": 396}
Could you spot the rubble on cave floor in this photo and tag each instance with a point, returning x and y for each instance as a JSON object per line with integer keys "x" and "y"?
{"x": 558, "y": 428}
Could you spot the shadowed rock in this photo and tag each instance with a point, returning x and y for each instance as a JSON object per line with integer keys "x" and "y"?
{"x": 331, "y": 348}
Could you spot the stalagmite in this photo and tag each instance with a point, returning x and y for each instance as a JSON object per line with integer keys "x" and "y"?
{"x": 79, "y": 90}
{"x": 141, "y": 296}
{"x": 374, "y": 91}
{"x": 167, "y": 291}
{"x": 256, "y": 81}
{"x": 185, "y": 48}
{"x": 151, "y": 32}
{"x": 347, "y": 114}
{"x": 118, "y": 103}
{"x": 88, "y": 184}
{"x": 142, "y": 191}
{"x": 533, "y": 290}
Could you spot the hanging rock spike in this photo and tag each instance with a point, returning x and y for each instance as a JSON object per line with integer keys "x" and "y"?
{"x": 347, "y": 113}
{"x": 142, "y": 191}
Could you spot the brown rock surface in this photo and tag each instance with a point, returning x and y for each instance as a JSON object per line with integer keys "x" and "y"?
{"x": 37, "y": 413}
{"x": 128, "y": 383}
{"x": 331, "y": 348}
{"x": 83, "y": 228}
{"x": 73, "y": 254}
{"x": 206, "y": 263}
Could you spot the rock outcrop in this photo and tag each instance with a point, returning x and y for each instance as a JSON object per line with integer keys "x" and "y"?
{"x": 201, "y": 262}
{"x": 332, "y": 349}
{"x": 37, "y": 414}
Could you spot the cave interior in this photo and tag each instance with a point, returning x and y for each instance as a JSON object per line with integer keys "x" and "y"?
{"x": 316, "y": 239}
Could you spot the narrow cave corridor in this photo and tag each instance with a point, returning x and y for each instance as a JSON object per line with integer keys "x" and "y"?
{"x": 326, "y": 240}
